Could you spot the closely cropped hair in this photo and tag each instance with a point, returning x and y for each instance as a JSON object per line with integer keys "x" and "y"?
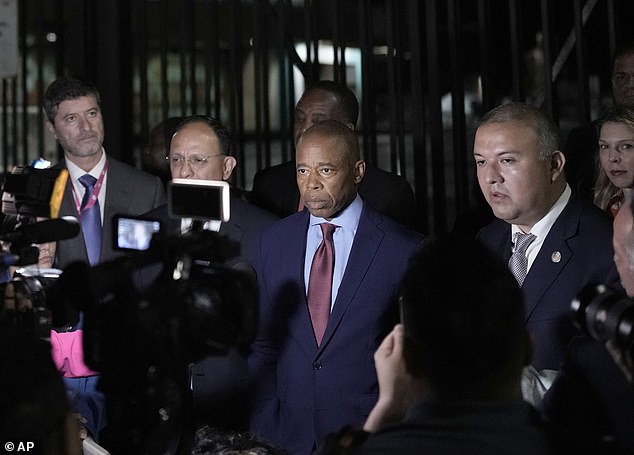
{"x": 545, "y": 129}
{"x": 334, "y": 129}
{"x": 223, "y": 134}
{"x": 63, "y": 89}
{"x": 622, "y": 50}
{"x": 464, "y": 320}
{"x": 347, "y": 99}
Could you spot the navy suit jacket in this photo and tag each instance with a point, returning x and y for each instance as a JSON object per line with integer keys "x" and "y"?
{"x": 129, "y": 191}
{"x": 576, "y": 252}
{"x": 301, "y": 391}
{"x": 275, "y": 189}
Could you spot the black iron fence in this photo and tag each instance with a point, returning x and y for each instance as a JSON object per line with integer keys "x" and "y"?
{"x": 424, "y": 71}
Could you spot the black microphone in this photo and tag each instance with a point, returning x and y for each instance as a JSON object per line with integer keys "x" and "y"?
{"x": 44, "y": 231}
{"x": 26, "y": 256}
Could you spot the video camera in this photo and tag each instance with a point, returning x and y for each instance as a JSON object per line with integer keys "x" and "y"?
{"x": 28, "y": 194}
{"x": 606, "y": 316}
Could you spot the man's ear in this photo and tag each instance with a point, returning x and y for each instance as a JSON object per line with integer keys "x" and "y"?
{"x": 359, "y": 171}
{"x": 51, "y": 128}
{"x": 557, "y": 163}
{"x": 228, "y": 164}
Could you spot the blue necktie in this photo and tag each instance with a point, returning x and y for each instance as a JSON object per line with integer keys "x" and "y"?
{"x": 91, "y": 220}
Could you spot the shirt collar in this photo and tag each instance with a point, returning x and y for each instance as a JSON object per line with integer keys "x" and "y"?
{"x": 542, "y": 227}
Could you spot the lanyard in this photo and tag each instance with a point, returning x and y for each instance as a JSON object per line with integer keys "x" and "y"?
{"x": 95, "y": 192}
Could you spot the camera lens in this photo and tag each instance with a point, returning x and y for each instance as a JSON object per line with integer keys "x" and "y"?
{"x": 604, "y": 315}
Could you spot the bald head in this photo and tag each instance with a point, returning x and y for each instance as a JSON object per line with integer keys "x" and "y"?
{"x": 623, "y": 242}
{"x": 329, "y": 168}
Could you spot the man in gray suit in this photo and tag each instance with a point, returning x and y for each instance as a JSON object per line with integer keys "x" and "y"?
{"x": 73, "y": 114}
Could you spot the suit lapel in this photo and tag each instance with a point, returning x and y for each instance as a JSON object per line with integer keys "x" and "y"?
{"x": 292, "y": 265}
{"x": 553, "y": 256}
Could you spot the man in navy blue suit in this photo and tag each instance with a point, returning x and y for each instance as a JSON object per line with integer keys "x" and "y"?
{"x": 306, "y": 384}
{"x": 521, "y": 173}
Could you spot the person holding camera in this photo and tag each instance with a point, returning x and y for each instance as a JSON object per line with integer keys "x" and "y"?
{"x": 591, "y": 404}
{"x": 450, "y": 372}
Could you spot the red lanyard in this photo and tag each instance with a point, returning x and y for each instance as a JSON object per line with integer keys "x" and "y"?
{"x": 95, "y": 192}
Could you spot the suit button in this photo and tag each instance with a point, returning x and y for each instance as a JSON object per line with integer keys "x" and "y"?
{"x": 317, "y": 365}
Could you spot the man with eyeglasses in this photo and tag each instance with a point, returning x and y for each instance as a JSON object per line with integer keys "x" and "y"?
{"x": 581, "y": 147}
{"x": 201, "y": 149}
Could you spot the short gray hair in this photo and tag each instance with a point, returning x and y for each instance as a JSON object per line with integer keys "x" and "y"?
{"x": 545, "y": 129}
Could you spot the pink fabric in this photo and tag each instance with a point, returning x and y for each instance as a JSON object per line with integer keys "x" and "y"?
{"x": 67, "y": 350}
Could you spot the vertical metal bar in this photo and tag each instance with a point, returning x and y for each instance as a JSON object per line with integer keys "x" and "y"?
{"x": 184, "y": 39}
{"x": 14, "y": 122}
{"x": 5, "y": 127}
{"x": 39, "y": 61}
{"x": 611, "y": 27}
{"x": 287, "y": 85}
{"x": 237, "y": 93}
{"x": 164, "y": 25}
{"x": 192, "y": 52}
{"x": 460, "y": 152}
{"x": 486, "y": 62}
{"x": 141, "y": 41}
{"x": 583, "y": 98}
{"x": 368, "y": 116}
{"x": 336, "y": 41}
{"x": 215, "y": 50}
{"x": 515, "y": 25}
{"x": 399, "y": 161}
{"x": 418, "y": 115}
{"x": 393, "y": 107}
{"x": 548, "y": 105}
{"x": 341, "y": 14}
{"x": 258, "y": 48}
{"x": 266, "y": 108}
{"x": 23, "y": 20}
{"x": 435, "y": 118}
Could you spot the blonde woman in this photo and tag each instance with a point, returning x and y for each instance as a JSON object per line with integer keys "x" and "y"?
{"x": 616, "y": 155}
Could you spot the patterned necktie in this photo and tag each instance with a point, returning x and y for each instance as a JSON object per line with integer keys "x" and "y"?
{"x": 518, "y": 263}
{"x": 320, "y": 282}
{"x": 90, "y": 220}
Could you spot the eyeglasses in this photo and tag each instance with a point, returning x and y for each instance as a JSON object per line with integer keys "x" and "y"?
{"x": 195, "y": 161}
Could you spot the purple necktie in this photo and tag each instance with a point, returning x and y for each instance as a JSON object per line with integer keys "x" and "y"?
{"x": 90, "y": 220}
{"x": 320, "y": 282}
